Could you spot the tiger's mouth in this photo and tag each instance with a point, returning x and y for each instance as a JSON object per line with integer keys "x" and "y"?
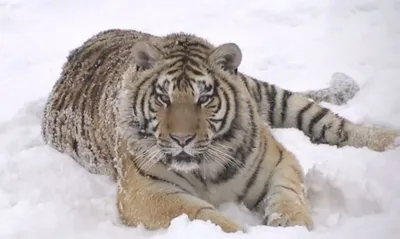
{"x": 183, "y": 162}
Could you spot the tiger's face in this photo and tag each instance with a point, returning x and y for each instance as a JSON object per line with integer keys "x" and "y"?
{"x": 186, "y": 104}
{"x": 188, "y": 115}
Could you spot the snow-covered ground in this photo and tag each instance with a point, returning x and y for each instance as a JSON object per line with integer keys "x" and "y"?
{"x": 296, "y": 44}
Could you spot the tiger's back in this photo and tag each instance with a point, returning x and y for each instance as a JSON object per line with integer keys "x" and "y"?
{"x": 79, "y": 118}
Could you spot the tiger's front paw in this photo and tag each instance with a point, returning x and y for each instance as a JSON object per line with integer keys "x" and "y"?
{"x": 289, "y": 218}
{"x": 217, "y": 218}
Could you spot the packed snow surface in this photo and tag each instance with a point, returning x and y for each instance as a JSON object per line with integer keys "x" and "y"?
{"x": 296, "y": 44}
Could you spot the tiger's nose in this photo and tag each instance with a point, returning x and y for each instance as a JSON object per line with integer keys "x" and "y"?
{"x": 182, "y": 139}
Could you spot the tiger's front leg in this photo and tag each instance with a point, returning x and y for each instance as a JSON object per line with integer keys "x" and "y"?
{"x": 285, "y": 201}
{"x": 154, "y": 203}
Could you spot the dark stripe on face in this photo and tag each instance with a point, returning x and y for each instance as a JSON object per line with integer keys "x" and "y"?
{"x": 138, "y": 94}
{"x": 153, "y": 103}
{"x": 183, "y": 82}
{"x": 198, "y": 55}
{"x": 193, "y": 52}
{"x": 176, "y": 64}
{"x": 195, "y": 63}
{"x": 300, "y": 115}
{"x": 228, "y": 108}
{"x": 194, "y": 71}
{"x": 146, "y": 118}
{"x": 192, "y": 44}
{"x": 172, "y": 71}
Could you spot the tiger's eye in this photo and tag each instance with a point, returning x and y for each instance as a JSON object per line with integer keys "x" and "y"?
{"x": 164, "y": 99}
{"x": 203, "y": 99}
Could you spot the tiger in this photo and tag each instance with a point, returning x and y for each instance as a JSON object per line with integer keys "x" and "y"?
{"x": 182, "y": 131}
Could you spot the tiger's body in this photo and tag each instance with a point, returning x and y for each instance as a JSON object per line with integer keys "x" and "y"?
{"x": 182, "y": 131}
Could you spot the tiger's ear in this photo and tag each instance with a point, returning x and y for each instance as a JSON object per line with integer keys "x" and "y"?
{"x": 145, "y": 54}
{"x": 228, "y": 55}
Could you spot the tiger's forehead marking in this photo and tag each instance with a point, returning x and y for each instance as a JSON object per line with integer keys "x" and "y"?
{"x": 183, "y": 83}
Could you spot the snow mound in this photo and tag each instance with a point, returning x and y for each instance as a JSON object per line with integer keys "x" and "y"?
{"x": 342, "y": 88}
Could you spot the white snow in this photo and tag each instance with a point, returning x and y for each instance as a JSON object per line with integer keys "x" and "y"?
{"x": 296, "y": 44}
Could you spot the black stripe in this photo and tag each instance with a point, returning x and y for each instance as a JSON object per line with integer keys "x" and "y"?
{"x": 152, "y": 108}
{"x": 323, "y": 133}
{"x": 286, "y": 95}
{"x": 86, "y": 106}
{"x": 195, "y": 63}
{"x": 197, "y": 55}
{"x": 265, "y": 189}
{"x": 228, "y": 109}
{"x": 341, "y": 133}
{"x": 193, "y": 54}
{"x": 177, "y": 63}
{"x": 197, "y": 44}
{"x": 175, "y": 55}
{"x": 200, "y": 178}
{"x": 272, "y": 104}
{"x": 155, "y": 178}
{"x": 172, "y": 71}
{"x": 287, "y": 188}
{"x": 87, "y": 82}
{"x": 193, "y": 70}
{"x": 280, "y": 158}
{"x": 300, "y": 115}
{"x": 176, "y": 193}
{"x": 136, "y": 96}
{"x": 317, "y": 117}
{"x": 146, "y": 121}
{"x": 261, "y": 196}
{"x": 74, "y": 145}
{"x": 244, "y": 80}
{"x": 62, "y": 93}
{"x": 322, "y": 137}
{"x": 257, "y": 93}
{"x": 182, "y": 177}
{"x": 241, "y": 153}
{"x": 254, "y": 176}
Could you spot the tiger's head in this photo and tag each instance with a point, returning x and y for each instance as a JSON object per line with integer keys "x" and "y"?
{"x": 185, "y": 100}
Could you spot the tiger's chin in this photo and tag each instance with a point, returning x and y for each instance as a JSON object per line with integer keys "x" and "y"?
{"x": 184, "y": 167}
{"x": 183, "y": 162}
